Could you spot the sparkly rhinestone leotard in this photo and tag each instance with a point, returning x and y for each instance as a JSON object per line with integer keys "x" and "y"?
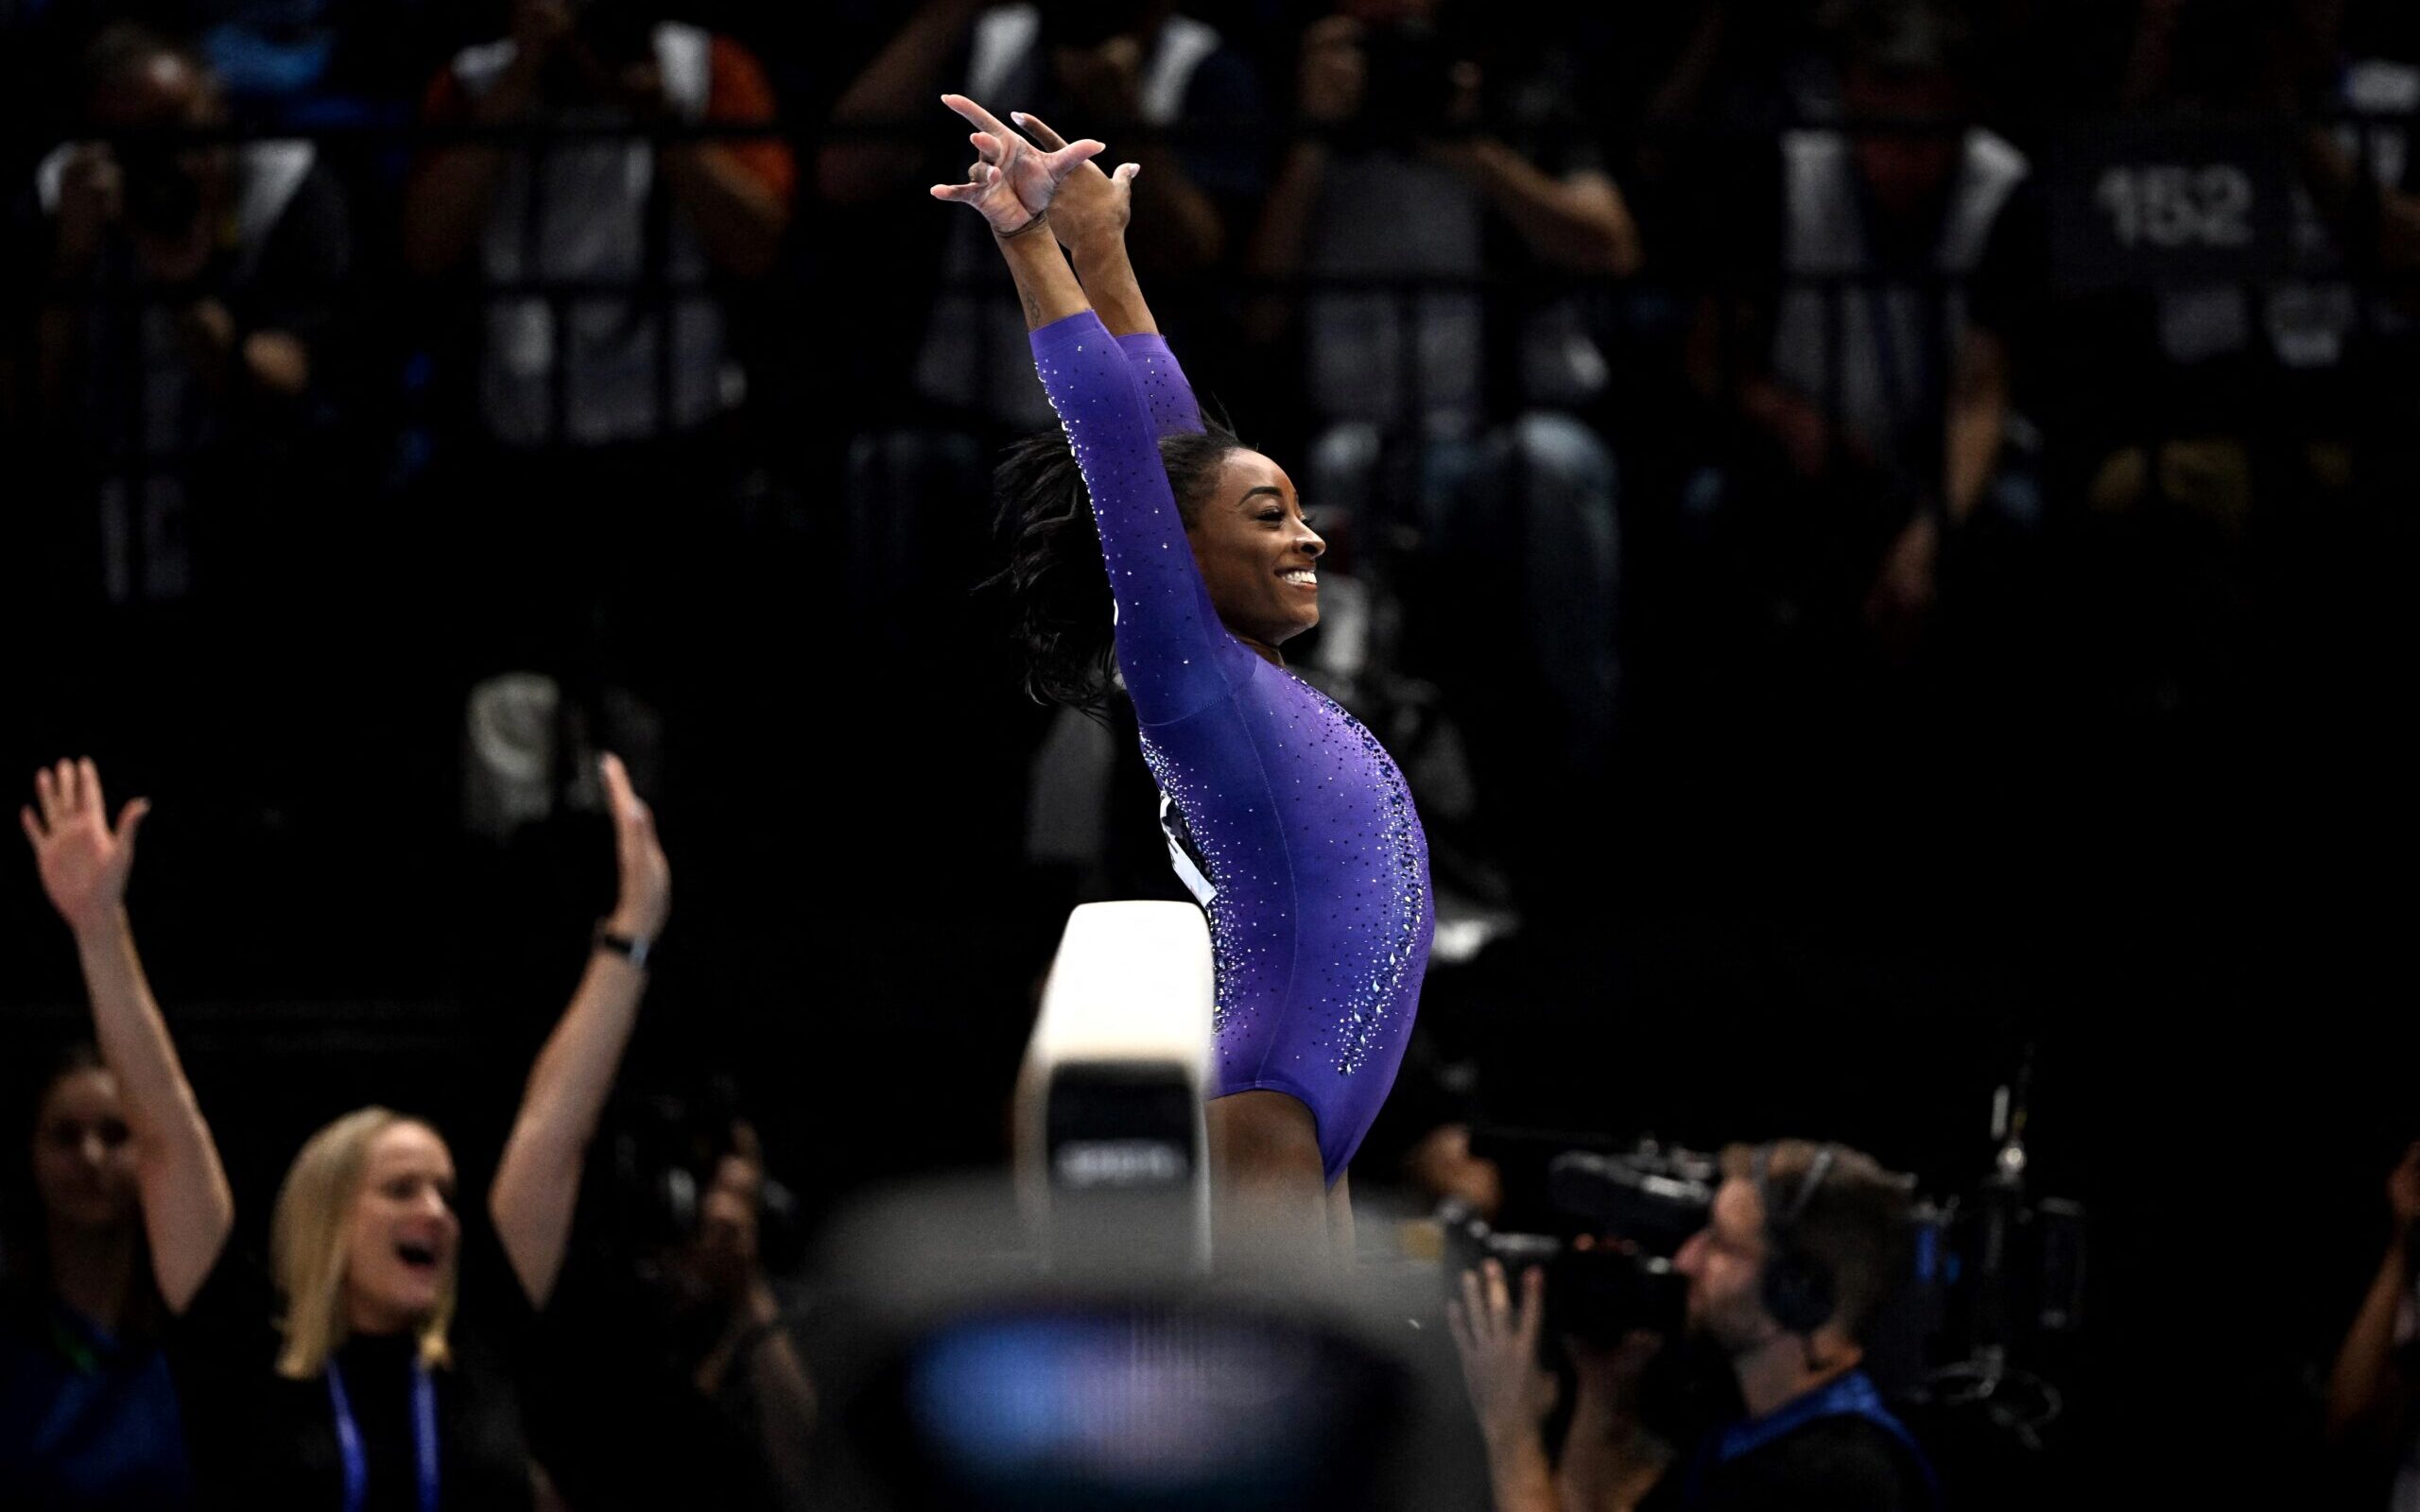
{"x": 1287, "y": 818}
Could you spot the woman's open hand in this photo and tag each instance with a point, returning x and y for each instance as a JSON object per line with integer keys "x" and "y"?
{"x": 85, "y": 862}
{"x": 1012, "y": 182}
{"x": 644, "y": 900}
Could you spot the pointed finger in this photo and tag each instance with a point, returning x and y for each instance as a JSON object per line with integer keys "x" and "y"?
{"x": 1065, "y": 160}
{"x": 961, "y": 192}
{"x": 69, "y": 801}
{"x": 89, "y": 776}
{"x": 1125, "y": 172}
{"x": 1036, "y": 127}
{"x": 130, "y": 819}
{"x": 1474, "y": 1306}
{"x": 618, "y": 783}
{"x": 32, "y": 826}
{"x": 1533, "y": 1305}
{"x": 976, "y": 114}
{"x": 46, "y": 793}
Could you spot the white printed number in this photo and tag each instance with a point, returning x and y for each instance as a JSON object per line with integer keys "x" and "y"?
{"x": 2168, "y": 205}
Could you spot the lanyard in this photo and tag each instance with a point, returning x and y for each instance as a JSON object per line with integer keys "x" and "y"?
{"x": 356, "y": 1465}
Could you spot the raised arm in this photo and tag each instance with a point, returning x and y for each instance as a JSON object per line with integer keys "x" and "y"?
{"x": 187, "y": 1209}
{"x": 537, "y": 1183}
{"x": 1169, "y": 641}
{"x": 1090, "y": 216}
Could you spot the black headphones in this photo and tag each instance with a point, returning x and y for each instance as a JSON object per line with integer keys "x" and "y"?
{"x": 1798, "y": 1289}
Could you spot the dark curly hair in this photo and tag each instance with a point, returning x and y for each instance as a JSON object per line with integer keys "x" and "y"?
{"x": 1054, "y": 571}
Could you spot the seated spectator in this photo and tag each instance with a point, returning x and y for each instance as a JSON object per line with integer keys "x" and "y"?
{"x": 342, "y": 1378}
{"x": 88, "y": 1416}
{"x": 1803, "y": 1244}
{"x": 2370, "y": 1421}
{"x": 1406, "y": 176}
{"x": 231, "y": 254}
{"x": 1878, "y": 372}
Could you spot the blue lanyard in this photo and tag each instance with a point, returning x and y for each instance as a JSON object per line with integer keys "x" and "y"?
{"x": 356, "y": 1465}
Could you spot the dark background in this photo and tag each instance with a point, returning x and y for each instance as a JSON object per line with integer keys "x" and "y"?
{"x": 2144, "y": 808}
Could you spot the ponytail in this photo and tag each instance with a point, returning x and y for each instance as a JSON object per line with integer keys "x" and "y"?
{"x": 1054, "y": 571}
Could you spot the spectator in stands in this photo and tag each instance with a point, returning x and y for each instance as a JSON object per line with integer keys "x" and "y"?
{"x": 1803, "y": 1244}
{"x": 88, "y": 1414}
{"x": 2369, "y": 1420}
{"x": 598, "y": 405}
{"x": 1418, "y": 165}
{"x": 587, "y": 369}
{"x": 1178, "y": 98}
{"x": 365, "y": 1392}
{"x": 198, "y": 284}
{"x": 1875, "y": 366}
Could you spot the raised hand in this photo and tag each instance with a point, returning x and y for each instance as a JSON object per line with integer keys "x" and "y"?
{"x": 644, "y": 900}
{"x": 2403, "y": 1189}
{"x": 84, "y": 862}
{"x": 1498, "y": 1338}
{"x": 1012, "y": 183}
{"x": 1090, "y": 203}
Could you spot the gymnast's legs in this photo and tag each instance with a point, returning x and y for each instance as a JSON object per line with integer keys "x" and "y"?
{"x": 1271, "y": 1204}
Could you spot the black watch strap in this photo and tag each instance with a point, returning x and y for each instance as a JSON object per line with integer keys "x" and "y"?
{"x": 633, "y": 947}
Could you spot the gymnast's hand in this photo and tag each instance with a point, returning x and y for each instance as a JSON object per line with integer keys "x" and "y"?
{"x": 1012, "y": 183}
{"x": 84, "y": 862}
{"x": 644, "y": 900}
{"x": 1092, "y": 205}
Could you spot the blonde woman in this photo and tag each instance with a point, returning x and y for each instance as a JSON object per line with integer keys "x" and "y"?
{"x": 378, "y": 1387}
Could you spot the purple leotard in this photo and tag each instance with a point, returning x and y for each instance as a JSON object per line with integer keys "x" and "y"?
{"x": 1286, "y": 817}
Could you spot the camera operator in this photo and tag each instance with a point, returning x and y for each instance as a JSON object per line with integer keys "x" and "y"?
{"x": 1803, "y": 1244}
{"x": 681, "y": 1369}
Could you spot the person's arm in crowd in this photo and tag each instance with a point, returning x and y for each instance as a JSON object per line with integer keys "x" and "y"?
{"x": 1577, "y": 222}
{"x": 92, "y": 199}
{"x": 1978, "y": 421}
{"x": 1610, "y": 1460}
{"x": 187, "y": 1207}
{"x": 1331, "y": 83}
{"x": 858, "y": 168}
{"x": 737, "y": 194}
{"x": 1181, "y": 227}
{"x": 448, "y": 196}
{"x": 2379, "y": 222}
{"x": 1510, "y": 1393}
{"x": 537, "y": 1183}
{"x": 2369, "y": 1394}
{"x": 754, "y": 1352}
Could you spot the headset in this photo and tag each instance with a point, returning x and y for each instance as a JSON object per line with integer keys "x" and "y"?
{"x": 1799, "y": 1291}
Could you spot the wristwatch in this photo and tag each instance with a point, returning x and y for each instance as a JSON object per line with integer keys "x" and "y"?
{"x": 634, "y": 947}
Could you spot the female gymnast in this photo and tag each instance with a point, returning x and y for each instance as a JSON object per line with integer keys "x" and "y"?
{"x": 369, "y": 1390}
{"x": 1285, "y": 817}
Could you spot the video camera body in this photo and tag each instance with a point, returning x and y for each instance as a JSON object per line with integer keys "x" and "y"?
{"x": 1630, "y": 1212}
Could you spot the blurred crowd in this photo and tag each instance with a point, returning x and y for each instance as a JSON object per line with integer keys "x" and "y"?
{"x": 1763, "y": 443}
{"x": 1745, "y": 373}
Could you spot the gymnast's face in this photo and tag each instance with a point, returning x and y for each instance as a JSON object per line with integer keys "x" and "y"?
{"x": 1256, "y": 551}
